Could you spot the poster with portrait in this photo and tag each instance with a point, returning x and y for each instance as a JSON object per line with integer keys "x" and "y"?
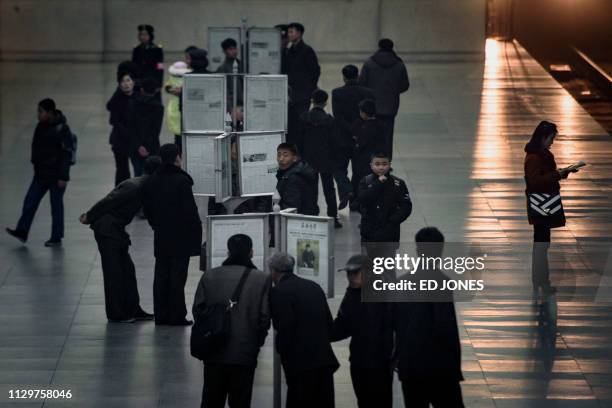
{"x": 265, "y": 102}
{"x": 203, "y": 103}
{"x": 221, "y": 227}
{"x": 309, "y": 240}
{"x": 257, "y": 162}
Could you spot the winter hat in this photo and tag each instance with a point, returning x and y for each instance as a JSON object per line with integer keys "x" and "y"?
{"x": 179, "y": 68}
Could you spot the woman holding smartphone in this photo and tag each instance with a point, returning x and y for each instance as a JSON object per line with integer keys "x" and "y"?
{"x": 544, "y": 207}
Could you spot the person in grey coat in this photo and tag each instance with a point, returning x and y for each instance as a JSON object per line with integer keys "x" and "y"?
{"x": 385, "y": 74}
{"x": 228, "y": 373}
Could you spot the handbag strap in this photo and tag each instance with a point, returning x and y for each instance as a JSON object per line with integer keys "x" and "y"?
{"x": 238, "y": 291}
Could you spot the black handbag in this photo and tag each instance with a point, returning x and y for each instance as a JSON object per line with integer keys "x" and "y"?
{"x": 212, "y": 327}
{"x": 544, "y": 204}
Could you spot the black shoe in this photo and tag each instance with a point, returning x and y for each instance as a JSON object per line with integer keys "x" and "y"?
{"x": 337, "y": 223}
{"x": 130, "y": 320}
{"x": 142, "y": 315}
{"x": 20, "y": 235}
{"x": 52, "y": 243}
{"x": 344, "y": 201}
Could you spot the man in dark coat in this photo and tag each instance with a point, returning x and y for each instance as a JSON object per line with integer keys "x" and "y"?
{"x": 385, "y": 73}
{"x": 173, "y": 214}
{"x": 301, "y": 66}
{"x": 108, "y": 219}
{"x": 146, "y": 117}
{"x": 428, "y": 351}
{"x": 297, "y": 181}
{"x": 385, "y": 204}
{"x": 368, "y": 134}
{"x": 317, "y": 146}
{"x": 149, "y": 56}
{"x": 345, "y": 107}
{"x": 51, "y": 159}
{"x": 304, "y": 325}
{"x": 229, "y": 371}
{"x": 369, "y": 325}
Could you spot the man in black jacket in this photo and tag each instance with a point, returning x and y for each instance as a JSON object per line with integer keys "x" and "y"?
{"x": 345, "y": 107}
{"x": 428, "y": 350}
{"x": 317, "y": 147}
{"x": 304, "y": 325}
{"x": 385, "y": 73}
{"x": 301, "y": 66}
{"x": 51, "y": 159}
{"x": 108, "y": 219}
{"x": 369, "y": 137}
{"x": 369, "y": 325}
{"x": 173, "y": 214}
{"x": 297, "y": 181}
{"x": 149, "y": 56}
{"x": 385, "y": 204}
{"x": 146, "y": 120}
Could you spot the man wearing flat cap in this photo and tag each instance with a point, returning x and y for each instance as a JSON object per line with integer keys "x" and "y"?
{"x": 369, "y": 325}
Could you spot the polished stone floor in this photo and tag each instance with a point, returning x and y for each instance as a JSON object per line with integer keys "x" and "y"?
{"x": 459, "y": 139}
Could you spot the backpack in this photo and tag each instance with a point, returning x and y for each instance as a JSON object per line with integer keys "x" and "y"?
{"x": 212, "y": 328}
{"x": 69, "y": 142}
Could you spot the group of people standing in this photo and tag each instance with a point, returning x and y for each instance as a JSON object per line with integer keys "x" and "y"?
{"x": 419, "y": 339}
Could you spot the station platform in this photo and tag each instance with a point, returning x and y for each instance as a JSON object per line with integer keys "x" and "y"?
{"x": 459, "y": 144}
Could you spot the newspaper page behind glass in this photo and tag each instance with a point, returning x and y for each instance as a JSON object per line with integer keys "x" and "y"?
{"x": 204, "y": 103}
{"x": 258, "y": 164}
{"x": 265, "y": 103}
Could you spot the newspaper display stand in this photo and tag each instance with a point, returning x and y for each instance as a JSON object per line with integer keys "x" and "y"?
{"x": 221, "y": 227}
{"x": 310, "y": 240}
{"x": 206, "y": 157}
{"x": 265, "y": 102}
{"x": 264, "y": 51}
{"x": 257, "y": 164}
{"x": 204, "y": 103}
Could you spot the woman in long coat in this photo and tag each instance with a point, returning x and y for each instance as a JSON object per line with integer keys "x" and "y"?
{"x": 544, "y": 207}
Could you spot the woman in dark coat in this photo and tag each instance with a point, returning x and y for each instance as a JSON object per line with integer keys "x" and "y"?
{"x": 119, "y": 108}
{"x": 543, "y": 199}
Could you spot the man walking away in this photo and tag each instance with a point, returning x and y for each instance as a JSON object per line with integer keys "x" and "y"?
{"x": 428, "y": 350}
{"x": 316, "y": 144}
{"x": 345, "y": 108}
{"x": 385, "y": 73}
{"x": 369, "y": 138}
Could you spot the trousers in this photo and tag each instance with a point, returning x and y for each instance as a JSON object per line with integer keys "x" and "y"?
{"x": 32, "y": 200}
{"x": 169, "y": 289}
